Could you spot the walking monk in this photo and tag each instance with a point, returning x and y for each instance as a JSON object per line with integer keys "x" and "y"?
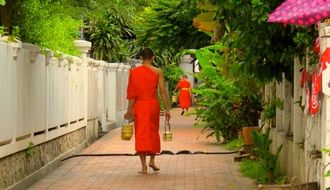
{"x": 184, "y": 93}
{"x": 143, "y": 105}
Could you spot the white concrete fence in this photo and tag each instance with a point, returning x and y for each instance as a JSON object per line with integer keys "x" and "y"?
{"x": 44, "y": 96}
{"x": 302, "y": 135}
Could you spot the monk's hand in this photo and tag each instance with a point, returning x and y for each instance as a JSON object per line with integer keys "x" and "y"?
{"x": 129, "y": 114}
{"x": 168, "y": 115}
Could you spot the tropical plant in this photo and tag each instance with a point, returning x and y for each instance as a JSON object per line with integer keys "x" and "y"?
{"x": 261, "y": 148}
{"x": 269, "y": 108}
{"x": 264, "y": 50}
{"x": 166, "y": 26}
{"x": 106, "y": 36}
{"x": 225, "y": 103}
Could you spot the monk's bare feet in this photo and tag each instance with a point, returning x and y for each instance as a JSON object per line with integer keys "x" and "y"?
{"x": 154, "y": 167}
{"x": 144, "y": 170}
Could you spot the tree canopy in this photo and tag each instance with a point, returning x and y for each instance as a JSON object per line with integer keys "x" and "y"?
{"x": 120, "y": 28}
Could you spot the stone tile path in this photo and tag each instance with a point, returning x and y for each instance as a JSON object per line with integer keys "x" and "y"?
{"x": 179, "y": 172}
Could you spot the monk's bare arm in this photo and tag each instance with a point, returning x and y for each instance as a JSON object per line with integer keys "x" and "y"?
{"x": 163, "y": 94}
{"x": 130, "y": 113}
{"x": 131, "y": 104}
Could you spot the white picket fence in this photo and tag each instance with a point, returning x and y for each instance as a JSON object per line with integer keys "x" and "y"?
{"x": 43, "y": 96}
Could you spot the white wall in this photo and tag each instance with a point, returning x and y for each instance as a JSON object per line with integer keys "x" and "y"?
{"x": 45, "y": 96}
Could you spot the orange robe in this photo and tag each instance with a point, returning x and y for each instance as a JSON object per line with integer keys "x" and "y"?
{"x": 143, "y": 85}
{"x": 184, "y": 94}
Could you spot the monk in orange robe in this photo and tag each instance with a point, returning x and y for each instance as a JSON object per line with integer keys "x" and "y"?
{"x": 143, "y": 105}
{"x": 184, "y": 88}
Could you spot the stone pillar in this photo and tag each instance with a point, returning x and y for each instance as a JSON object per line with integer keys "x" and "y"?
{"x": 297, "y": 121}
{"x": 324, "y": 33}
{"x": 112, "y": 92}
{"x": 101, "y": 113}
{"x": 84, "y": 47}
{"x": 125, "y": 82}
{"x": 280, "y": 94}
{"x": 120, "y": 93}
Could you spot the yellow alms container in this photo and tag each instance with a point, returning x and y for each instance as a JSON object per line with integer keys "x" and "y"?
{"x": 126, "y": 130}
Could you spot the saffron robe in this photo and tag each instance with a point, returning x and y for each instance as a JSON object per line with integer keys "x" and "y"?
{"x": 143, "y": 85}
{"x": 184, "y": 94}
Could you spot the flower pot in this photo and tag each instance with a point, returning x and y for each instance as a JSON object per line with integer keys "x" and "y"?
{"x": 247, "y": 134}
{"x": 247, "y": 138}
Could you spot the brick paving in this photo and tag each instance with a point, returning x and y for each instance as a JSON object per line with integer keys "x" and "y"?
{"x": 179, "y": 172}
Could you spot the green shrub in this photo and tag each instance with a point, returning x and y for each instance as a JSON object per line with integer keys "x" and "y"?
{"x": 225, "y": 103}
{"x": 253, "y": 169}
{"x": 269, "y": 160}
{"x": 48, "y": 25}
{"x": 234, "y": 144}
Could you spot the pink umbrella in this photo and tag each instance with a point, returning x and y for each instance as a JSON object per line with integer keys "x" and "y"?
{"x": 301, "y": 12}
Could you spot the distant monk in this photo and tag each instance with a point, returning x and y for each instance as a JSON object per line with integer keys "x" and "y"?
{"x": 184, "y": 88}
{"x": 143, "y": 105}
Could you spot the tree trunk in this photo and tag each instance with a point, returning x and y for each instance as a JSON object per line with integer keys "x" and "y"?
{"x": 6, "y": 14}
{"x": 219, "y": 31}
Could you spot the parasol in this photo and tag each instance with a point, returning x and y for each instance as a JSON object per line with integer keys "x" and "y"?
{"x": 300, "y": 12}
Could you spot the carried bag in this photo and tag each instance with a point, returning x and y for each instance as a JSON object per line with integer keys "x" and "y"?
{"x": 167, "y": 134}
{"x": 127, "y": 130}
{"x": 174, "y": 98}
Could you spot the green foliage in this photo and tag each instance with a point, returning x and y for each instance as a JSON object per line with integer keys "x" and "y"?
{"x": 166, "y": 26}
{"x": 106, "y": 36}
{"x": 327, "y": 151}
{"x": 226, "y": 103}
{"x": 235, "y": 144}
{"x": 109, "y": 27}
{"x": 253, "y": 169}
{"x": 270, "y": 108}
{"x": 2, "y": 2}
{"x": 13, "y": 37}
{"x": 30, "y": 151}
{"x": 3, "y": 31}
{"x": 261, "y": 148}
{"x": 43, "y": 23}
{"x": 263, "y": 49}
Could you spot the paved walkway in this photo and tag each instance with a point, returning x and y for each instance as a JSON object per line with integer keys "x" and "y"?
{"x": 180, "y": 172}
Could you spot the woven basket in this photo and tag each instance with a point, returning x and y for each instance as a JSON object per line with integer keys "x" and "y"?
{"x": 127, "y": 131}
